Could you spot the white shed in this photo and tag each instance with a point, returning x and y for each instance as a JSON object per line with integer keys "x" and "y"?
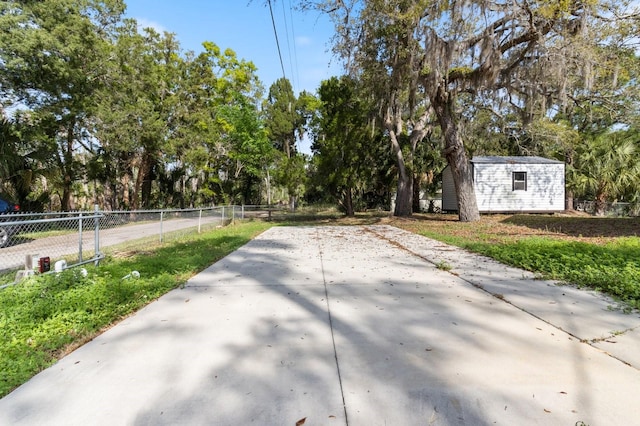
{"x": 511, "y": 184}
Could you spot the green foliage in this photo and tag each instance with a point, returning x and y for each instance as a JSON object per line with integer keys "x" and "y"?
{"x": 44, "y": 316}
{"x": 613, "y": 268}
{"x": 607, "y": 167}
{"x": 443, "y": 266}
{"x": 287, "y": 118}
{"x": 290, "y": 173}
{"x": 125, "y": 109}
{"x": 345, "y": 144}
{"x": 53, "y": 56}
{"x": 283, "y": 120}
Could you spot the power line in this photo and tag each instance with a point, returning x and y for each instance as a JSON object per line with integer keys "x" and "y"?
{"x": 295, "y": 51}
{"x": 273, "y": 22}
{"x": 286, "y": 29}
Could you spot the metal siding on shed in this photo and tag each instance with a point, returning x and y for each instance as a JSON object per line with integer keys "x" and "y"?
{"x": 494, "y": 188}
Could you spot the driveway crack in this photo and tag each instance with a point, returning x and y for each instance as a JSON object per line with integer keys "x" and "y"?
{"x": 333, "y": 339}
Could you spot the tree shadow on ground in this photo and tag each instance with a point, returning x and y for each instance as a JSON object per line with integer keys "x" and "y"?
{"x": 389, "y": 331}
{"x": 590, "y": 227}
{"x": 337, "y": 219}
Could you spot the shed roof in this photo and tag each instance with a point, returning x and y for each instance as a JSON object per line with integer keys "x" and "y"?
{"x": 513, "y": 160}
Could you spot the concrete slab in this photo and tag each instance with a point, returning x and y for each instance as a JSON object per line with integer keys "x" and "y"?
{"x": 587, "y": 315}
{"x": 442, "y": 352}
{"x": 341, "y": 325}
{"x": 623, "y": 346}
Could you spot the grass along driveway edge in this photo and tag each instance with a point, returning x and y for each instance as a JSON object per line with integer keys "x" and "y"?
{"x": 44, "y": 318}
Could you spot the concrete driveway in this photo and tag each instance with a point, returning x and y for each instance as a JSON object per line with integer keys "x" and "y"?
{"x": 350, "y": 326}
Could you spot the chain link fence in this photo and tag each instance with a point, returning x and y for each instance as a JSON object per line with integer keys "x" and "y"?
{"x": 617, "y": 209}
{"x": 33, "y": 243}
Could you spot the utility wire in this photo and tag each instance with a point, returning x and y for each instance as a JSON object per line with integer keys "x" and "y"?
{"x": 286, "y": 30}
{"x": 275, "y": 31}
{"x": 295, "y": 51}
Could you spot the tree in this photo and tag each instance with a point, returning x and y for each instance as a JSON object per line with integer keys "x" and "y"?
{"x": 282, "y": 118}
{"x": 445, "y": 49}
{"x": 52, "y": 55}
{"x": 342, "y": 141}
{"x": 221, "y": 95}
{"x": 250, "y": 152}
{"x": 286, "y": 118}
{"x": 177, "y": 129}
{"x": 607, "y": 166}
{"x": 381, "y": 52}
{"x": 25, "y": 161}
{"x": 138, "y": 110}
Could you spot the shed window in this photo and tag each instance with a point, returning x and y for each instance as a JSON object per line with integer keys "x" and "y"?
{"x": 519, "y": 181}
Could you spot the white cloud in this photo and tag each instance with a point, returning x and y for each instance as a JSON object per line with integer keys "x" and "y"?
{"x": 145, "y": 23}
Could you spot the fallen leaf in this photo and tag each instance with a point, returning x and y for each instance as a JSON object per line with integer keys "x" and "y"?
{"x": 301, "y": 421}
{"x": 546, "y": 411}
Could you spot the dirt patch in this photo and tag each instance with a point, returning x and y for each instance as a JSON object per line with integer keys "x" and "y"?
{"x": 579, "y": 226}
{"x": 509, "y": 228}
{"x": 501, "y": 228}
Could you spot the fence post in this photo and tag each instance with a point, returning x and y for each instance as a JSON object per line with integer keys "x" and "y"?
{"x": 233, "y": 214}
{"x": 222, "y": 215}
{"x": 199, "y": 221}
{"x": 96, "y": 238}
{"x": 161, "y": 217}
{"x": 80, "y": 238}
{"x": 242, "y": 215}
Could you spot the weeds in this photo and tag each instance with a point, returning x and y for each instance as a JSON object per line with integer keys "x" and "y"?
{"x": 443, "y": 266}
{"x": 610, "y": 265}
{"x": 47, "y": 316}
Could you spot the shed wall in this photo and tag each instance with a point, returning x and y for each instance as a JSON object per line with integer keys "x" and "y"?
{"x": 494, "y": 187}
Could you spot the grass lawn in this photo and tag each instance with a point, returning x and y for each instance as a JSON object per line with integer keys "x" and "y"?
{"x": 597, "y": 253}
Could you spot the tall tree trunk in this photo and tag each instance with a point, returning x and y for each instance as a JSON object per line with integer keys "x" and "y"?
{"x": 600, "y": 203}
{"x": 404, "y": 195}
{"x": 404, "y": 191}
{"x": 67, "y": 168}
{"x": 568, "y": 199}
{"x": 126, "y": 196}
{"x": 417, "y": 181}
{"x": 348, "y": 202}
{"x": 267, "y": 181}
{"x": 457, "y": 158}
{"x": 137, "y": 187}
{"x": 147, "y": 181}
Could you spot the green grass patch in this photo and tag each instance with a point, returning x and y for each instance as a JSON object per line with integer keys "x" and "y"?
{"x": 613, "y": 268}
{"x": 45, "y": 317}
{"x": 443, "y": 266}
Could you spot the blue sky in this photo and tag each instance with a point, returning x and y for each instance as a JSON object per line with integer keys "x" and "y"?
{"x": 247, "y": 29}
